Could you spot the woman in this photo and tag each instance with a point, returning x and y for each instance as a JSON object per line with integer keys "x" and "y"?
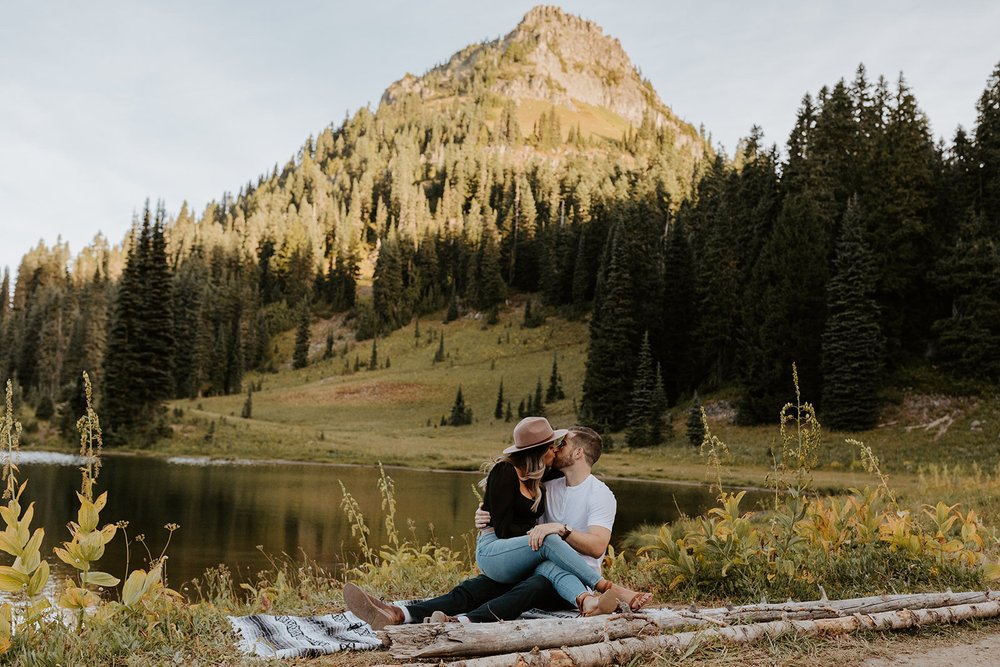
{"x": 514, "y": 498}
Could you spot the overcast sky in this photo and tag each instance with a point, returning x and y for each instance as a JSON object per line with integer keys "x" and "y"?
{"x": 104, "y": 104}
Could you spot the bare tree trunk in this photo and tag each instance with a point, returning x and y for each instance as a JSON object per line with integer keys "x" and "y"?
{"x": 454, "y": 639}
{"x": 624, "y": 650}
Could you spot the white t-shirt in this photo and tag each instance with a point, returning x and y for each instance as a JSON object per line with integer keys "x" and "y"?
{"x": 589, "y": 503}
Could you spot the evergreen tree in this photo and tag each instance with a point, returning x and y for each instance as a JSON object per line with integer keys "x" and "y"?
{"x": 521, "y": 410}
{"x": 987, "y": 149}
{"x": 537, "y": 404}
{"x": 678, "y": 313}
{"x": 247, "y": 411}
{"x": 508, "y": 414}
{"x": 373, "y": 362}
{"x": 460, "y": 414}
{"x": 328, "y": 350}
{"x": 554, "y": 392}
{"x": 609, "y": 367}
{"x": 439, "y": 355}
{"x": 852, "y": 340}
{"x": 646, "y": 404}
{"x": 498, "y": 410}
{"x": 300, "y": 357}
{"x": 968, "y": 341}
{"x": 695, "y": 426}
{"x": 784, "y": 319}
{"x": 388, "y": 293}
{"x": 137, "y": 375}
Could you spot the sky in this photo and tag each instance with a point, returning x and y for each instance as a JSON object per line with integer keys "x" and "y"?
{"x": 106, "y": 104}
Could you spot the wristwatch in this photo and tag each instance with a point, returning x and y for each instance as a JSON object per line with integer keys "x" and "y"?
{"x": 566, "y": 531}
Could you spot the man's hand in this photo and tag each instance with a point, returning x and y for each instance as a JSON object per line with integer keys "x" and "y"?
{"x": 482, "y": 518}
{"x": 538, "y": 534}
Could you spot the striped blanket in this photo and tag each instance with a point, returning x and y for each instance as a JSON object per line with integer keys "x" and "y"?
{"x": 289, "y": 637}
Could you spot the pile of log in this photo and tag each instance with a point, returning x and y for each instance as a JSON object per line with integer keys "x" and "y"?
{"x": 619, "y": 638}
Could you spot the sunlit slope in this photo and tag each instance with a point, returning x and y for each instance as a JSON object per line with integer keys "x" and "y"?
{"x": 328, "y": 412}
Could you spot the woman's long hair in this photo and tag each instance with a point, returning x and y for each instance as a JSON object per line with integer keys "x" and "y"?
{"x": 530, "y": 467}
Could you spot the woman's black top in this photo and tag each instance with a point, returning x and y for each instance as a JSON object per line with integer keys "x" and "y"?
{"x": 510, "y": 512}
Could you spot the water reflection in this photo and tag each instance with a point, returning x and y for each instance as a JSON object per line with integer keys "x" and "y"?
{"x": 225, "y": 512}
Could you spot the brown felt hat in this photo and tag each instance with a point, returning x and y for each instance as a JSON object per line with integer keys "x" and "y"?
{"x": 534, "y": 432}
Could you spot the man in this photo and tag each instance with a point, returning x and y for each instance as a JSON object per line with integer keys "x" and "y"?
{"x": 578, "y": 507}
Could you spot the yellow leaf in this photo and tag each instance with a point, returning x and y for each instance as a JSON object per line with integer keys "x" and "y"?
{"x": 6, "y": 615}
{"x": 87, "y": 517}
{"x": 101, "y": 501}
{"x": 99, "y": 579}
{"x": 991, "y": 571}
{"x": 7, "y": 544}
{"x": 35, "y": 543}
{"x": 11, "y": 580}
{"x": 132, "y": 591}
{"x": 38, "y": 579}
{"x": 108, "y": 532}
{"x": 78, "y": 598}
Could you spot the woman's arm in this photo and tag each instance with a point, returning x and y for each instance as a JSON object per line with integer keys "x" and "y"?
{"x": 590, "y": 542}
{"x": 501, "y": 486}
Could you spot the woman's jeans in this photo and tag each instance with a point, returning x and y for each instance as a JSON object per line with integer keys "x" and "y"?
{"x": 512, "y": 559}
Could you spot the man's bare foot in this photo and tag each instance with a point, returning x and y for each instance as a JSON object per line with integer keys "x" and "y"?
{"x": 370, "y": 609}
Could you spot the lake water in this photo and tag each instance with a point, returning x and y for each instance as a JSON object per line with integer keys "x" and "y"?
{"x": 226, "y": 511}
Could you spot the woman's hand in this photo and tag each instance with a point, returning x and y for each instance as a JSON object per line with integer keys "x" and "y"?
{"x": 482, "y": 518}
{"x": 538, "y": 534}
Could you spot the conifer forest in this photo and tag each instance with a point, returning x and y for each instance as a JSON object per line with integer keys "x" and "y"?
{"x": 859, "y": 248}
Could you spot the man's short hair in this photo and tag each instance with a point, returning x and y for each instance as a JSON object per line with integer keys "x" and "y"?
{"x": 589, "y": 440}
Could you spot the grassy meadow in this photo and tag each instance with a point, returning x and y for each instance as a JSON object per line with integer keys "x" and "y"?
{"x": 328, "y": 412}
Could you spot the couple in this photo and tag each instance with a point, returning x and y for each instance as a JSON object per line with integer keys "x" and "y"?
{"x": 540, "y": 544}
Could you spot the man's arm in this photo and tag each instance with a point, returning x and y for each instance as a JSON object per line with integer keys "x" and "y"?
{"x": 592, "y": 542}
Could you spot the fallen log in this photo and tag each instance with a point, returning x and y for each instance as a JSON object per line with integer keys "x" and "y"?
{"x": 438, "y": 640}
{"x": 623, "y": 651}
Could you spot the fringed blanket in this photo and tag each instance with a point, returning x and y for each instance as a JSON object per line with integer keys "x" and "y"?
{"x": 311, "y": 636}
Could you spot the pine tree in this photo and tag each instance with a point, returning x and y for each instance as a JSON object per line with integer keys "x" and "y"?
{"x": 852, "y": 339}
{"x": 439, "y": 355}
{"x": 678, "y": 313}
{"x": 695, "y": 426}
{"x": 646, "y": 404}
{"x": 508, "y": 414}
{"x": 300, "y": 357}
{"x": 247, "y": 411}
{"x": 522, "y": 410}
{"x": 554, "y": 392}
{"x": 784, "y": 318}
{"x": 609, "y": 366}
{"x": 537, "y": 405}
{"x": 460, "y": 414}
{"x": 968, "y": 341}
{"x": 137, "y": 365}
{"x": 373, "y": 361}
{"x": 498, "y": 410}
{"x": 328, "y": 350}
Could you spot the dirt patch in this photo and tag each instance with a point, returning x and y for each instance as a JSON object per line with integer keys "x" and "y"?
{"x": 369, "y": 392}
{"x": 720, "y": 412}
{"x": 982, "y": 653}
{"x": 928, "y": 412}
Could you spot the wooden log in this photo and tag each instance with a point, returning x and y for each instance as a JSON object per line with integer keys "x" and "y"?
{"x": 625, "y": 650}
{"x": 453, "y": 639}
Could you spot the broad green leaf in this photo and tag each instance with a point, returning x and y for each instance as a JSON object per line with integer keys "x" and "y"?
{"x": 101, "y": 501}
{"x": 7, "y": 544}
{"x": 99, "y": 579}
{"x": 35, "y": 543}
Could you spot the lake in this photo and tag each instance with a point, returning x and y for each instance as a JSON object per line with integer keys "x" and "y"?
{"x": 226, "y": 510}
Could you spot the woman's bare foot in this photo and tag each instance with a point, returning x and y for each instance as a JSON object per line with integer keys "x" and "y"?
{"x": 635, "y": 600}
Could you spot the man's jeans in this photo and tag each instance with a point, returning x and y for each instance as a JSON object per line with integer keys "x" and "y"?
{"x": 512, "y": 559}
{"x": 483, "y": 600}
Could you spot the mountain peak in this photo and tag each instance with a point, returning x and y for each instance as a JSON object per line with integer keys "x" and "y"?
{"x": 553, "y": 59}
